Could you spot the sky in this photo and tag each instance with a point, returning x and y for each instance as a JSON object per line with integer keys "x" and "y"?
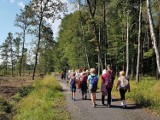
{"x": 8, "y": 11}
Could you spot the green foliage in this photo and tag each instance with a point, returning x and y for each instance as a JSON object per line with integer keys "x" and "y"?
{"x": 149, "y": 53}
{"x": 23, "y": 91}
{"x": 146, "y": 93}
{"x": 44, "y": 102}
{"x": 70, "y": 48}
{"x": 5, "y": 109}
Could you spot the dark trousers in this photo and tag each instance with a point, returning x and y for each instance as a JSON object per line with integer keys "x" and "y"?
{"x": 109, "y": 96}
{"x": 83, "y": 88}
{"x": 122, "y": 93}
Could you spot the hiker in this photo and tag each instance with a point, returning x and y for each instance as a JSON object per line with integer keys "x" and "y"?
{"x": 109, "y": 81}
{"x": 87, "y": 72}
{"x": 62, "y": 75}
{"x": 93, "y": 82}
{"x": 72, "y": 83}
{"x": 103, "y": 86}
{"x": 123, "y": 85}
{"x": 78, "y": 79}
{"x": 83, "y": 85}
{"x": 68, "y": 75}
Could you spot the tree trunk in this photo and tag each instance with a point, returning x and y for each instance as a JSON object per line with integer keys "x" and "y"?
{"x": 127, "y": 47}
{"x": 158, "y": 75}
{"x": 99, "y": 53}
{"x": 21, "y": 60}
{"x": 133, "y": 66}
{"x": 12, "y": 56}
{"x": 154, "y": 42}
{"x": 39, "y": 39}
{"x": 105, "y": 33}
{"x": 139, "y": 43}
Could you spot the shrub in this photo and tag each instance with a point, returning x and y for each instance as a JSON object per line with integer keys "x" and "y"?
{"x": 5, "y": 109}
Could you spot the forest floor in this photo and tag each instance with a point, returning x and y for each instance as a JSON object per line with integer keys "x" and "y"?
{"x": 9, "y": 86}
{"x": 82, "y": 109}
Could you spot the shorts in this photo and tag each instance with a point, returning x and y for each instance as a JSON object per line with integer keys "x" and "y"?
{"x": 73, "y": 89}
{"x": 93, "y": 89}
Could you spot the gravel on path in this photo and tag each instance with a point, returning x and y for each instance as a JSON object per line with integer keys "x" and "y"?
{"x": 82, "y": 109}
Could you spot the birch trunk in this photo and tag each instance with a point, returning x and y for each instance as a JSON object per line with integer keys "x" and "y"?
{"x": 139, "y": 43}
{"x": 153, "y": 37}
{"x": 105, "y": 32}
{"x": 127, "y": 47}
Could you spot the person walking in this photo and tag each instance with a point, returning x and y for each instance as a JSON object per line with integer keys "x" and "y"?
{"x": 93, "y": 82}
{"x": 109, "y": 81}
{"x": 78, "y": 73}
{"x": 83, "y": 85}
{"x": 72, "y": 83}
{"x": 62, "y": 75}
{"x": 123, "y": 85}
{"x": 103, "y": 86}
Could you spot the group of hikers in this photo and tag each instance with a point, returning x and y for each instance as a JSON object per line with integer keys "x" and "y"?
{"x": 85, "y": 81}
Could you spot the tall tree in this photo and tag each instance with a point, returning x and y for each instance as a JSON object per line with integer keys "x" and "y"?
{"x": 23, "y": 22}
{"x": 10, "y": 42}
{"x": 43, "y": 10}
{"x": 92, "y": 9}
{"x": 83, "y": 35}
{"x": 139, "y": 42}
{"x": 127, "y": 45}
{"x": 5, "y": 56}
{"x": 152, "y": 32}
{"x": 105, "y": 32}
{"x": 17, "y": 44}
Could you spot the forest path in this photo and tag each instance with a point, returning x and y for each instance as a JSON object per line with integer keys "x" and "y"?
{"x": 82, "y": 109}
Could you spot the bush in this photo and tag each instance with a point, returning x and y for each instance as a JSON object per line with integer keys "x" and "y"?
{"x": 5, "y": 109}
{"x": 23, "y": 91}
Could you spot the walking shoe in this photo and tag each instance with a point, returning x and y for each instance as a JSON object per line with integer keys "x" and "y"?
{"x": 103, "y": 103}
{"x": 85, "y": 97}
{"x": 93, "y": 105}
{"x": 82, "y": 98}
{"x": 124, "y": 106}
{"x": 108, "y": 105}
{"x": 122, "y": 103}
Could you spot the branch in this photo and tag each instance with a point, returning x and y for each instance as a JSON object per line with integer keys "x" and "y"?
{"x": 90, "y": 8}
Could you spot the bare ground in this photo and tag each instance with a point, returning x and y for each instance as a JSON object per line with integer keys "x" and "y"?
{"x": 9, "y": 85}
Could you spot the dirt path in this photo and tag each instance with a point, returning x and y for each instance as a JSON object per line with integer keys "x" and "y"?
{"x": 82, "y": 109}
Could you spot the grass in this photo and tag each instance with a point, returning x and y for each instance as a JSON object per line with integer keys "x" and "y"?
{"x": 45, "y": 102}
{"x": 146, "y": 93}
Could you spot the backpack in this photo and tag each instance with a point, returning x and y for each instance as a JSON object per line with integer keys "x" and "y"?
{"x": 84, "y": 79}
{"x": 94, "y": 82}
{"x": 124, "y": 83}
{"x": 109, "y": 80}
{"x": 73, "y": 82}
